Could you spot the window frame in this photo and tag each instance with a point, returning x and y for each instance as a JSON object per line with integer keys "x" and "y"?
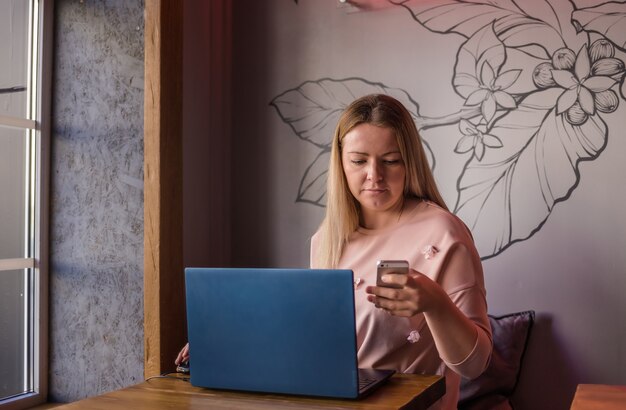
{"x": 39, "y": 126}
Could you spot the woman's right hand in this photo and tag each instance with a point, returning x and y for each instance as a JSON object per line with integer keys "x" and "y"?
{"x": 183, "y": 356}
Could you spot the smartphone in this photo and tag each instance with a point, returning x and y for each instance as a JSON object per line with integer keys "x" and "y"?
{"x": 387, "y": 266}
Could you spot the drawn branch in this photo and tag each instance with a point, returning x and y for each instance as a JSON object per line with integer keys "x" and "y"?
{"x": 424, "y": 123}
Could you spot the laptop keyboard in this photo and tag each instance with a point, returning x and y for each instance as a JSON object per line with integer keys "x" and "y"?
{"x": 365, "y": 382}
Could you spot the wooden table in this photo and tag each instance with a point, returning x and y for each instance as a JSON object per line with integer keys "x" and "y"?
{"x": 402, "y": 391}
{"x": 600, "y": 397}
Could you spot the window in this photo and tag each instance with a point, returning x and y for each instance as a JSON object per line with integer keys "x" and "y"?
{"x": 24, "y": 135}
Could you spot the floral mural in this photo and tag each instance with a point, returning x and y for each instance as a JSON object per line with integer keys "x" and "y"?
{"x": 537, "y": 78}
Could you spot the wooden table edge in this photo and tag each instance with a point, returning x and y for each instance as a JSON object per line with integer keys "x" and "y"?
{"x": 428, "y": 389}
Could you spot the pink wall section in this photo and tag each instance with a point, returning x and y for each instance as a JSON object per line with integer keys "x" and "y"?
{"x": 258, "y": 116}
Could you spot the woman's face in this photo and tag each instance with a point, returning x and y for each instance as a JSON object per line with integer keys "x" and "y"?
{"x": 375, "y": 172}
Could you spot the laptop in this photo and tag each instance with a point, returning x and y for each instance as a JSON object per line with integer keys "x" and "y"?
{"x": 289, "y": 331}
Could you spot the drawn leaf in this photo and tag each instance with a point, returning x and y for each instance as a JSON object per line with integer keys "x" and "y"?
{"x": 313, "y": 108}
{"x": 607, "y": 19}
{"x": 534, "y": 51}
{"x": 313, "y": 183}
{"x": 508, "y": 195}
{"x": 535, "y": 23}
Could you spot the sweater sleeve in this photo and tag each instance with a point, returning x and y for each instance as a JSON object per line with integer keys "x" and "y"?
{"x": 461, "y": 276}
{"x": 477, "y": 360}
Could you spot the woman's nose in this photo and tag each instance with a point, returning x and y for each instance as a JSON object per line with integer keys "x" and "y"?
{"x": 374, "y": 173}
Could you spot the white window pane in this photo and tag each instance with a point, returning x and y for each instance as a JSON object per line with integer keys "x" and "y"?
{"x": 12, "y": 337}
{"x": 12, "y": 192}
{"x": 14, "y": 24}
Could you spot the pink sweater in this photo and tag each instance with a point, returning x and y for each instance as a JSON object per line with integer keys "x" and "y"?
{"x": 405, "y": 344}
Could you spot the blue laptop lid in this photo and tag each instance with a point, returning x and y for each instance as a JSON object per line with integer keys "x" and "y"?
{"x": 272, "y": 330}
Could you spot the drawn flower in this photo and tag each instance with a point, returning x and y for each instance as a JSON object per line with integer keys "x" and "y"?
{"x": 580, "y": 87}
{"x": 475, "y": 138}
{"x": 490, "y": 91}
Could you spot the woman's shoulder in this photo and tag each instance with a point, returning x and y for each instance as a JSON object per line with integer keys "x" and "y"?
{"x": 316, "y": 235}
{"x": 315, "y": 239}
{"x": 441, "y": 219}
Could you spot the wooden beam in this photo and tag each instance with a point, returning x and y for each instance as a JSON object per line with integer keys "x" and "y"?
{"x": 164, "y": 310}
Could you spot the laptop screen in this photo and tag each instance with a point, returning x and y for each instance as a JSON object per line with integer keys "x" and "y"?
{"x": 272, "y": 330}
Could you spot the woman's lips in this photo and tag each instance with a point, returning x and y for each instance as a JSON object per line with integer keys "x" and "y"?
{"x": 374, "y": 191}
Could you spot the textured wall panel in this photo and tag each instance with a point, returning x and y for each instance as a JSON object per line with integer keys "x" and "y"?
{"x": 96, "y": 337}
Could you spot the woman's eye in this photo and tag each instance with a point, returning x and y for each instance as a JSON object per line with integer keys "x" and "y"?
{"x": 358, "y": 161}
{"x": 391, "y": 161}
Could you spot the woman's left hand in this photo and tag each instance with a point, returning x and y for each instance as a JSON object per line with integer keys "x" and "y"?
{"x": 418, "y": 294}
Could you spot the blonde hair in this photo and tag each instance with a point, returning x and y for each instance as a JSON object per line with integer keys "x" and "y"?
{"x": 342, "y": 209}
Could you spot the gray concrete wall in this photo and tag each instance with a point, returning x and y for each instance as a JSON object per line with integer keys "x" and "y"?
{"x": 96, "y": 270}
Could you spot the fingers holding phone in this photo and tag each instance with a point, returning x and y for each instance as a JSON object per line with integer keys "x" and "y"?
{"x": 391, "y": 292}
{"x": 402, "y": 291}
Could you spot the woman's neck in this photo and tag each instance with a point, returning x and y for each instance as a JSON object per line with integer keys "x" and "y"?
{"x": 388, "y": 217}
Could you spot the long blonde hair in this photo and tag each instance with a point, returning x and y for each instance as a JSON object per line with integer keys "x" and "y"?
{"x": 342, "y": 209}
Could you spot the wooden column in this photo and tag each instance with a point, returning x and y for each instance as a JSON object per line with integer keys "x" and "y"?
{"x": 164, "y": 321}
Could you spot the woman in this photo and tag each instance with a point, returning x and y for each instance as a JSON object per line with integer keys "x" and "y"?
{"x": 383, "y": 204}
